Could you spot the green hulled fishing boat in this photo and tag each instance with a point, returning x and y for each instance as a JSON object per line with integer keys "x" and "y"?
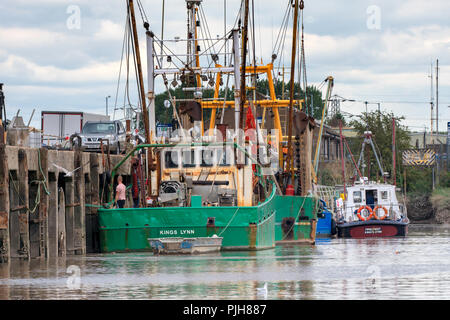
{"x": 242, "y": 228}
{"x": 196, "y": 200}
{"x": 233, "y": 181}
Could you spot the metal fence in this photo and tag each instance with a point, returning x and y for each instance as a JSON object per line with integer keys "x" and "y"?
{"x": 327, "y": 194}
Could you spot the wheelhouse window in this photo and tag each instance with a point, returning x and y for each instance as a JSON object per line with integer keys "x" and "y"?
{"x": 171, "y": 159}
{"x": 224, "y": 157}
{"x": 188, "y": 158}
{"x": 384, "y": 195}
{"x": 208, "y": 158}
{"x": 357, "y": 196}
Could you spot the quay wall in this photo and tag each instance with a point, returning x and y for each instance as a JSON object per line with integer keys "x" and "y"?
{"x": 48, "y": 200}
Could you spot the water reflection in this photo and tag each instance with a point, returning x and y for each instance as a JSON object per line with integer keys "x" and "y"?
{"x": 416, "y": 267}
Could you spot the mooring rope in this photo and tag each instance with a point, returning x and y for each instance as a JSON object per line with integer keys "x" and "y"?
{"x": 229, "y": 222}
{"x": 298, "y": 213}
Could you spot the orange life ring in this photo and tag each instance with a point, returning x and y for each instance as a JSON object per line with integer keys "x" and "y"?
{"x": 358, "y": 213}
{"x": 375, "y": 213}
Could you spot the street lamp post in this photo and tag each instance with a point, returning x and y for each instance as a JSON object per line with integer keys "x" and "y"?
{"x": 107, "y": 97}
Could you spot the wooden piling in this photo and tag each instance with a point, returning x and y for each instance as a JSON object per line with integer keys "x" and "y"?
{"x": 42, "y": 216}
{"x": 4, "y": 201}
{"x": 24, "y": 193}
{"x": 79, "y": 205}
{"x": 14, "y": 203}
{"x": 19, "y": 227}
{"x": 38, "y": 227}
{"x": 92, "y": 233}
{"x": 43, "y": 202}
{"x": 53, "y": 215}
{"x": 33, "y": 216}
{"x": 69, "y": 216}
{"x": 61, "y": 223}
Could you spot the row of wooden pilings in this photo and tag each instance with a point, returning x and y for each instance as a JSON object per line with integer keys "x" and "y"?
{"x": 47, "y": 211}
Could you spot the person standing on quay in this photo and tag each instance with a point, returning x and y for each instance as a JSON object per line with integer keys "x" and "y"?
{"x": 120, "y": 193}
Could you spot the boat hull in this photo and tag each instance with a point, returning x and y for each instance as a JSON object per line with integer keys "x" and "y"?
{"x": 296, "y": 219}
{"x": 242, "y": 228}
{"x": 372, "y": 229}
{"x": 185, "y": 245}
{"x": 326, "y": 225}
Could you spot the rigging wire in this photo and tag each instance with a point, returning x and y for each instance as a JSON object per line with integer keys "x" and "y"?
{"x": 120, "y": 70}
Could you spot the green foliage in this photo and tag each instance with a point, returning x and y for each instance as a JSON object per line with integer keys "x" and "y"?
{"x": 441, "y": 197}
{"x": 314, "y": 96}
{"x": 315, "y": 102}
{"x": 334, "y": 121}
{"x": 419, "y": 180}
{"x": 440, "y": 200}
{"x": 326, "y": 177}
{"x": 444, "y": 179}
{"x": 380, "y": 124}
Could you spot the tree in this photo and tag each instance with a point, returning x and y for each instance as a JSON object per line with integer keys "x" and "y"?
{"x": 380, "y": 124}
{"x": 314, "y": 103}
{"x": 334, "y": 121}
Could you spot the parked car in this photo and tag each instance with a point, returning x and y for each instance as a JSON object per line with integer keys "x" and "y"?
{"x": 95, "y": 131}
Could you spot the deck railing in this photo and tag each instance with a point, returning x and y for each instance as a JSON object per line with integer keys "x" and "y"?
{"x": 348, "y": 213}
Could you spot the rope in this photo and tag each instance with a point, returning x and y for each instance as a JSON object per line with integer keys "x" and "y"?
{"x": 298, "y": 213}
{"x": 229, "y": 222}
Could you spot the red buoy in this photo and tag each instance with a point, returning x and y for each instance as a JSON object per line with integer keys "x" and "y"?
{"x": 290, "y": 190}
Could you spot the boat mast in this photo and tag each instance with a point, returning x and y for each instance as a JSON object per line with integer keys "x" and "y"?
{"x": 330, "y": 80}
{"x": 139, "y": 67}
{"x": 243, "y": 62}
{"x": 2, "y": 107}
{"x": 342, "y": 156}
{"x": 237, "y": 84}
{"x": 151, "y": 80}
{"x": 290, "y": 158}
{"x": 142, "y": 93}
{"x": 393, "y": 152}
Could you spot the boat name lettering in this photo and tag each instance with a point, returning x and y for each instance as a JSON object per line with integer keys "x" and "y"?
{"x": 176, "y": 232}
{"x": 372, "y": 230}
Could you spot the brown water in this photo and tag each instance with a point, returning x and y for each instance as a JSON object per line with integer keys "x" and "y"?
{"x": 415, "y": 267}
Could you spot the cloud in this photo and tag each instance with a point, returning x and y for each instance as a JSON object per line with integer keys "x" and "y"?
{"x": 15, "y": 38}
{"x": 109, "y": 31}
{"x": 39, "y": 54}
{"x": 21, "y": 69}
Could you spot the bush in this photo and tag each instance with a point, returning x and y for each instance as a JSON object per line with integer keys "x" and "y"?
{"x": 440, "y": 199}
{"x": 419, "y": 206}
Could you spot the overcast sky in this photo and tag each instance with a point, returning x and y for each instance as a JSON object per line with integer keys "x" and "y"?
{"x": 377, "y": 51}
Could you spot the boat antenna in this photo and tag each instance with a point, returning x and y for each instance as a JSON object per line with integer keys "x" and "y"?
{"x": 162, "y": 30}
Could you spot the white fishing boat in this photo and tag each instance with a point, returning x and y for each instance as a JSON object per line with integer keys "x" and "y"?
{"x": 368, "y": 208}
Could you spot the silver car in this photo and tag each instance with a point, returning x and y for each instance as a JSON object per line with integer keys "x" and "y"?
{"x": 94, "y": 132}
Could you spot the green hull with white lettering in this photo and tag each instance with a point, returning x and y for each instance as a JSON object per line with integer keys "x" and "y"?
{"x": 242, "y": 228}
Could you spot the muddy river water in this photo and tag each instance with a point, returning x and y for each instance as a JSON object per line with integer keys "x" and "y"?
{"x": 415, "y": 267}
